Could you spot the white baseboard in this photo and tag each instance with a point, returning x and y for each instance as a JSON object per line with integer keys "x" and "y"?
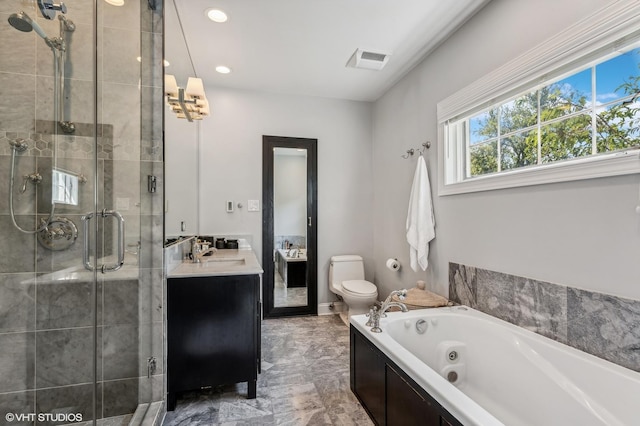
{"x": 325, "y": 308}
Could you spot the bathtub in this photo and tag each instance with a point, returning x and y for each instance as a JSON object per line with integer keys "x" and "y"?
{"x": 486, "y": 371}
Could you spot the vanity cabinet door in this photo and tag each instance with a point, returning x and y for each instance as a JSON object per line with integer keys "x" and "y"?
{"x": 406, "y": 405}
{"x": 213, "y": 326}
{"x": 297, "y": 274}
{"x": 367, "y": 377}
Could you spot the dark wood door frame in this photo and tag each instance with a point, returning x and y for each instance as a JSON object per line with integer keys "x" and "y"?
{"x": 268, "y": 144}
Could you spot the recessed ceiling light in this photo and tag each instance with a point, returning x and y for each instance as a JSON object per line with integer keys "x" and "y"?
{"x": 115, "y": 2}
{"x": 223, "y": 70}
{"x": 216, "y": 15}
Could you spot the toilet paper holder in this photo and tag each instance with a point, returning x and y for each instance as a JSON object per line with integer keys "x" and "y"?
{"x": 393, "y": 264}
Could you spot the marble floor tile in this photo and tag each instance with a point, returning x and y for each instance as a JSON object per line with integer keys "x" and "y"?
{"x": 304, "y": 382}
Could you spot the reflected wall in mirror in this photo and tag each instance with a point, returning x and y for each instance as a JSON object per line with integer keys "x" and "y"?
{"x": 181, "y": 138}
{"x": 289, "y": 236}
{"x": 290, "y": 227}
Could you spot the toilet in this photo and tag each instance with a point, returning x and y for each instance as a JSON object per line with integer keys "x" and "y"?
{"x": 346, "y": 279}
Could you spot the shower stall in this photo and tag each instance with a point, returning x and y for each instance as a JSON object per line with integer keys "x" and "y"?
{"x": 81, "y": 212}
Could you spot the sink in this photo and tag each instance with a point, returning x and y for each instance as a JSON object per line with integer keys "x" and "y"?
{"x": 222, "y": 262}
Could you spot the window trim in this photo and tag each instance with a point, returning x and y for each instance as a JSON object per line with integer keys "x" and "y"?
{"x": 612, "y": 26}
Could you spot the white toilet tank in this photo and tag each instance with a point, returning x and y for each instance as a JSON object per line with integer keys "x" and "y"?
{"x": 347, "y": 267}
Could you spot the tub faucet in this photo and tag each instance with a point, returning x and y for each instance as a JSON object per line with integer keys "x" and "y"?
{"x": 376, "y": 313}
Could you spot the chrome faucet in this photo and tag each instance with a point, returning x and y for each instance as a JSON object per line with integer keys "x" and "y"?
{"x": 197, "y": 253}
{"x": 200, "y": 254}
{"x": 376, "y": 313}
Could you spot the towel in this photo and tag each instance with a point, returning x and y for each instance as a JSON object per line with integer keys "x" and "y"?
{"x": 420, "y": 221}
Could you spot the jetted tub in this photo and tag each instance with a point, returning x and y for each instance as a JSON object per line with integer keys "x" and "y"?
{"x": 486, "y": 371}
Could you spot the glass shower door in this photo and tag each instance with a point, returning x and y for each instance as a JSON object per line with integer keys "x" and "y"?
{"x": 80, "y": 257}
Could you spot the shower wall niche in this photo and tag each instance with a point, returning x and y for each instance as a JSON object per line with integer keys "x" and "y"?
{"x": 74, "y": 340}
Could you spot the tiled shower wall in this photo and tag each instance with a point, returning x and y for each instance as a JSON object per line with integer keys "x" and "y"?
{"x": 602, "y": 325}
{"x": 46, "y": 333}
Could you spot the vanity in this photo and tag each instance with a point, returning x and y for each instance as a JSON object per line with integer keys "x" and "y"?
{"x": 292, "y": 269}
{"x": 213, "y": 323}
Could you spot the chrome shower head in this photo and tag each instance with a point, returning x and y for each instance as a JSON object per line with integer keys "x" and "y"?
{"x": 21, "y": 22}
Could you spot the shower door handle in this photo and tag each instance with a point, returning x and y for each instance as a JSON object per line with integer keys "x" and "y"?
{"x": 120, "y": 261}
{"x": 86, "y": 261}
{"x": 121, "y": 249}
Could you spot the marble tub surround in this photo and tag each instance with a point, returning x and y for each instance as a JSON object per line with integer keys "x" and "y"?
{"x": 295, "y": 241}
{"x": 603, "y": 325}
{"x": 304, "y": 381}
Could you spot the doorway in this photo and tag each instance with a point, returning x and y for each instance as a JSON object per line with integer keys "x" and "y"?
{"x": 289, "y": 230}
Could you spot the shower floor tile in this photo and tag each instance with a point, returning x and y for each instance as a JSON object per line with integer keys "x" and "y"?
{"x": 304, "y": 381}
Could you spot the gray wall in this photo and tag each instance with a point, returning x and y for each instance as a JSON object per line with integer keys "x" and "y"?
{"x": 290, "y": 195}
{"x": 583, "y": 234}
{"x": 231, "y": 168}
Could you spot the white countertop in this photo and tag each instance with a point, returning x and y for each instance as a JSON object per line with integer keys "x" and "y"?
{"x": 222, "y": 262}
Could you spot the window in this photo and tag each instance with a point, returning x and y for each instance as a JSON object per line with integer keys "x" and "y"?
{"x": 580, "y": 120}
{"x": 64, "y": 188}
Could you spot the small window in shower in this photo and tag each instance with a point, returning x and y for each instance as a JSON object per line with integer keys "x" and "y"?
{"x": 64, "y": 188}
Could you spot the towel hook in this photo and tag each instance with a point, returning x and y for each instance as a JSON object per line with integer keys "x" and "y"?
{"x": 426, "y": 145}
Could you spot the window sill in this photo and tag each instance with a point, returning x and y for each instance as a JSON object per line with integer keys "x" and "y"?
{"x": 614, "y": 164}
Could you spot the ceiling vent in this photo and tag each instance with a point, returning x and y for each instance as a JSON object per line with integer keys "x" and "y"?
{"x": 368, "y": 59}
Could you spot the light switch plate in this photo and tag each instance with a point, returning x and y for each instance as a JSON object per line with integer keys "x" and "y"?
{"x": 229, "y": 206}
{"x": 254, "y": 205}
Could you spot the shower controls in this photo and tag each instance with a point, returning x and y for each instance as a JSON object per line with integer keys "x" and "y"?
{"x": 58, "y": 234}
{"x": 35, "y": 178}
{"x": 48, "y": 8}
{"x": 19, "y": 145}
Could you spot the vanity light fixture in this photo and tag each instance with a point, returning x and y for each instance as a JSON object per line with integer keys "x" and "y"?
{"x": 223, "y": 69}
{"x": 190, "y": 103}
{"x": 115, "y": 2}
{"x": 216, "y": 15}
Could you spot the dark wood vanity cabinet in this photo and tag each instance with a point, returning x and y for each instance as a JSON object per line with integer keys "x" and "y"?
{"x": 390, "y": 397}
{"x": 213, "y": 333}
{"x": 293, "y": 272}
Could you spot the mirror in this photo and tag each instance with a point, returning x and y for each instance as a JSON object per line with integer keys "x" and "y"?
{"x": 290, "y": 227}
{"x": 181, "y": 139}
{"x": 289, "y": 231}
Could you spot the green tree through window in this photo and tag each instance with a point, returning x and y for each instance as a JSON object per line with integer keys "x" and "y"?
{"x": 561, "y": 121}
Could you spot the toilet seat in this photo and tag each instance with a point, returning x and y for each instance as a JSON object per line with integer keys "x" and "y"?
{"x": 359, "y": 288}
